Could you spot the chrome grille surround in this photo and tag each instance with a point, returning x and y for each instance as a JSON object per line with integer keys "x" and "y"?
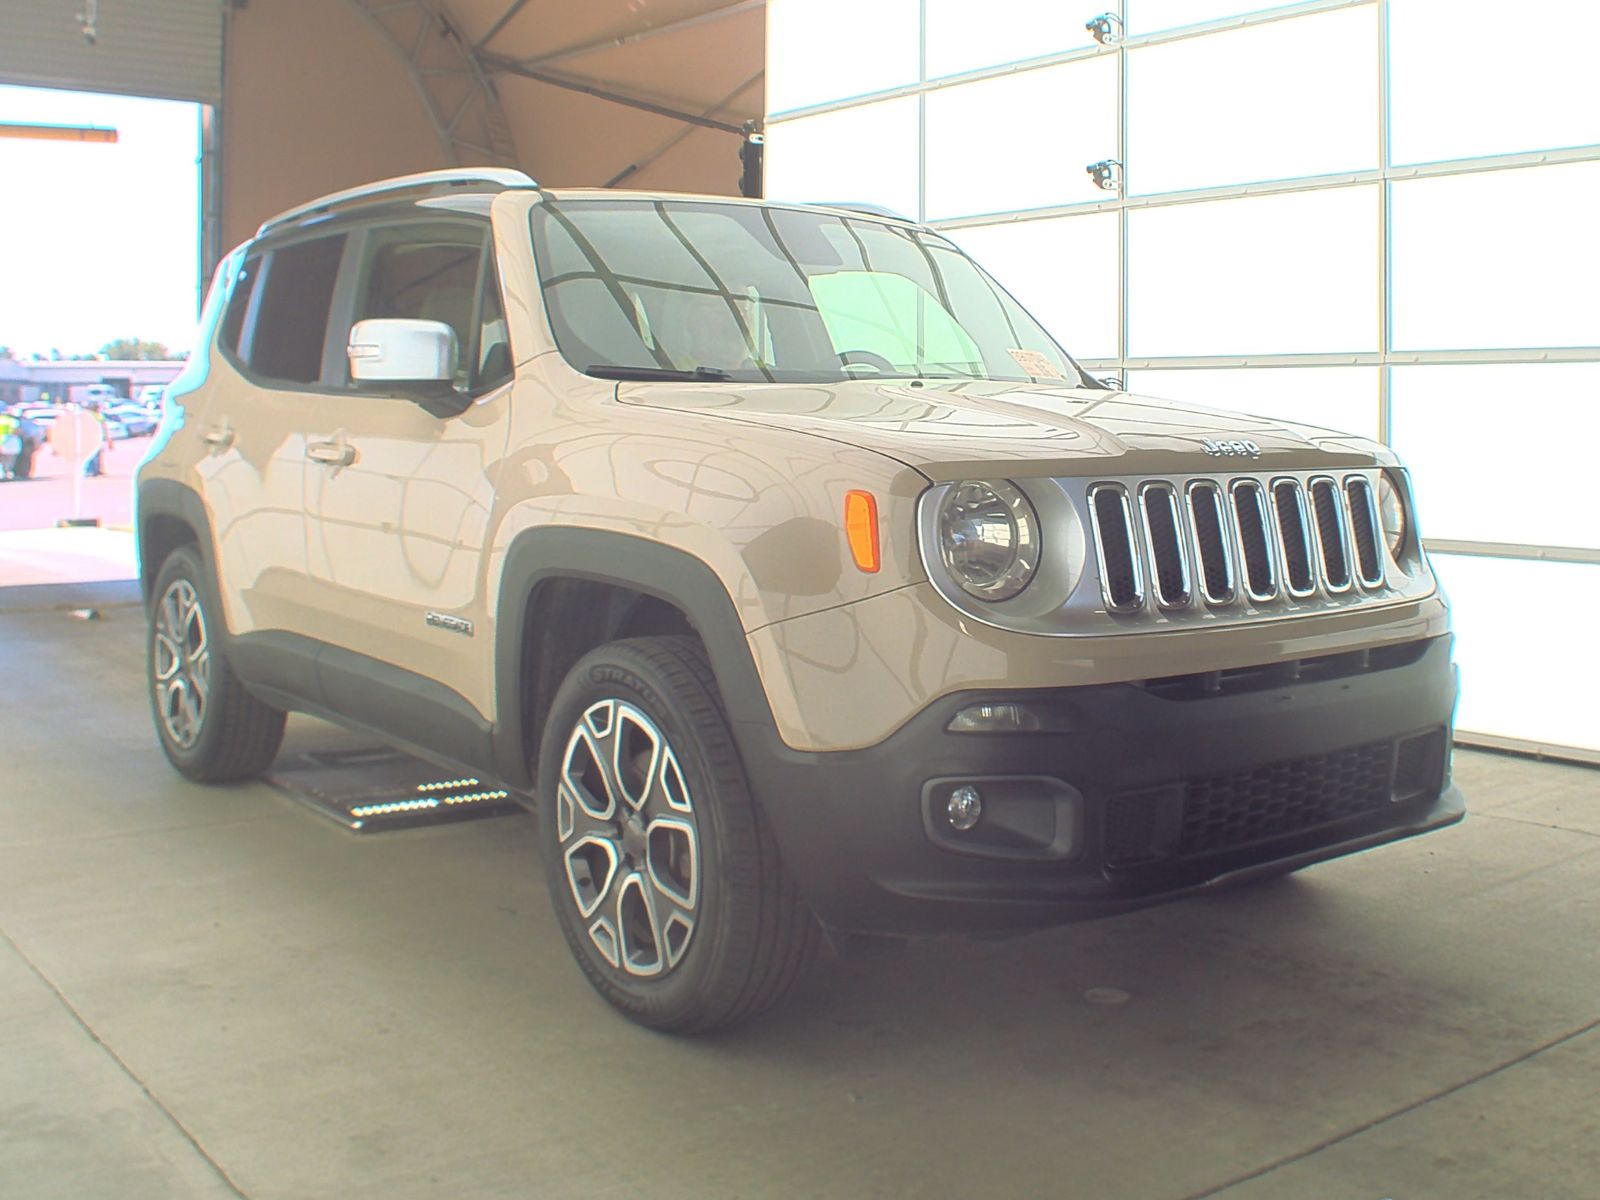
{"x": 1257, "y": 550}
{"x": 1362, "y": 507}
{"x": 1209, "y": 522}
{"x": 1247, "y": 545}
{"x": 1163, "y": 532}
{"x": 1294, "y": 536}
{"x": 1332, "y": 527}
{"x": 1114, "y": 544}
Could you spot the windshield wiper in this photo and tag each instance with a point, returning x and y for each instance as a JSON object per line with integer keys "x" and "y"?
{"x": 692, "y": 375}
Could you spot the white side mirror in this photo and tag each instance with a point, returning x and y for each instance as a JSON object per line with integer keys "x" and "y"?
{"x": 396, "y": 350}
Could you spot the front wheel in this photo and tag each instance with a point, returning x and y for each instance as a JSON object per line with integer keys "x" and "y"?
{"x": 664, "y": 875}
{"x": 212, "y": 729}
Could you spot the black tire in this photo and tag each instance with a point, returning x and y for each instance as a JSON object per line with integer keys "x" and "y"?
{"x": 745, "y": 935}
{"x": 230, "y": 735}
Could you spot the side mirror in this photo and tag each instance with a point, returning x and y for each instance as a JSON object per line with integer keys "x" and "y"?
{"x": 1112, "y": 383}
{"x": 417, "y": 357}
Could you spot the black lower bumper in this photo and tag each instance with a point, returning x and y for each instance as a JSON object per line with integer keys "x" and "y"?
{"x": 1143, "y": 793}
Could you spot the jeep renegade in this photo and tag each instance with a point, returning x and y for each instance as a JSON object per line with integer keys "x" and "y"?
{"x": 785, "y": 566}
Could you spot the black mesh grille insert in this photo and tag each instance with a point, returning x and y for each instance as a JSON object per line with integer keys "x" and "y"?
{"x": 1131, "y": 829}
{"x": 1362, "y": 523}
{"x": 1161, "y": 518}
{"x": 1330, "y": 533}
{"x": 1296, "y": 542}
{"x": 1250, "y": 513}
{"x": 1241, "y": 808}
{"x": 1216, "y": 579}
{"x": 1116, "y": 548}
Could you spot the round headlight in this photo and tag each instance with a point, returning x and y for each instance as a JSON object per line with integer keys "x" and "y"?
{"x": 989, "y": 538}
{"x": 1392, "y": 513}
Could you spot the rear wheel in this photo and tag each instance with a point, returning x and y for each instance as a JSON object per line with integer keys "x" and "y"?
{"x": 212, "y": 729}
{"x": 664, "y": 875}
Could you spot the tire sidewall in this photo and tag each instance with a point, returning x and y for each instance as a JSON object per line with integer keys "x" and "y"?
{"x": 611, "y": 673}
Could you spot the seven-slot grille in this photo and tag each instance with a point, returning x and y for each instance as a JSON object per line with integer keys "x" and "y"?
{"x": 1212, "y": 541}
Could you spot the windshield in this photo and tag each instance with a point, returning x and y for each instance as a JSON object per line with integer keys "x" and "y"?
{"x": 667, "y": 289}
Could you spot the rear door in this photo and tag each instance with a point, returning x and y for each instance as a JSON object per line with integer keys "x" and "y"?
{"x": 400, "y": 501}
{"x": 274, "y": 340}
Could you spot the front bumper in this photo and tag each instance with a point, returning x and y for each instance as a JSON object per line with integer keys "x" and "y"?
{"x": 1158, "y": 790}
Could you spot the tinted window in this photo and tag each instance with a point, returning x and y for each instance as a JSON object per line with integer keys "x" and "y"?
{"x": 286, "y": 334}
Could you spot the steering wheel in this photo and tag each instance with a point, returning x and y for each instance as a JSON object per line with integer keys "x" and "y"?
{"x": 866, "y": 358}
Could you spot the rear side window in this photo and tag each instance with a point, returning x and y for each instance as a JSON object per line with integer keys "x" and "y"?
{"x": 285, "y": 331}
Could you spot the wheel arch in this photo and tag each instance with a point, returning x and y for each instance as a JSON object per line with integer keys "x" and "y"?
{"x": 168, "y": 514}
{"x": 565, "y": 590}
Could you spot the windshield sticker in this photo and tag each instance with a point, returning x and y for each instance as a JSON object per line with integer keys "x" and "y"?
{"x": 1035, "y": 363}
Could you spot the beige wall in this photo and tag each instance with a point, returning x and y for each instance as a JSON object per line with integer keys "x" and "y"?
{"x": 314, "y": 100}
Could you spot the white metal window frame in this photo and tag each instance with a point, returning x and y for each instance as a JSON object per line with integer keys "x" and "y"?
{"x": 1384, "y": 175}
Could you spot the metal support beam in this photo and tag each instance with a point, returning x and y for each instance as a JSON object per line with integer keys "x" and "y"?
{"x": 447, "y": 77}
{"x": 512, "y": 67}
{"x": 505, "y": 17}
{"x": 641, "y": 35}
{"x": 655, "y": 155}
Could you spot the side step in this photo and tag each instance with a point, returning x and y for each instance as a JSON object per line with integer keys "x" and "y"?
{"x": 376, "y": 789}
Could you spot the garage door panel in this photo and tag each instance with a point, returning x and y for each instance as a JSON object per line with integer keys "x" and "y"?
{"x": 170, "y": 49}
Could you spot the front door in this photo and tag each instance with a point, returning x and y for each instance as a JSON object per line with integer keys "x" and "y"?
{"x": 399, "y": 501}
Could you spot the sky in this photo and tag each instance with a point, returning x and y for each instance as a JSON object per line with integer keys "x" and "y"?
{"x": 98, "y": 241}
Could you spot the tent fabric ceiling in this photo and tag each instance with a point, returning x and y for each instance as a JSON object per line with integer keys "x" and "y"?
{"x": 697, "y": 58}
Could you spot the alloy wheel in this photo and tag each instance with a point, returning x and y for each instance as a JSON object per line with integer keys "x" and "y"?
{"x": 629, "y": 841}
{"x": 182, "y": 663}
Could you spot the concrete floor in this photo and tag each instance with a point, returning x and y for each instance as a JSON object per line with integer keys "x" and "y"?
{"x": 215, "y": 992}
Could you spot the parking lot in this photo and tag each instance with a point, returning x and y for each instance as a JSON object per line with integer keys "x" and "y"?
{"x": 216, "y": 992}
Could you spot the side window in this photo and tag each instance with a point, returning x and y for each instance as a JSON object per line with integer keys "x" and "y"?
{"x": 428, "y": 273}
{"x": 244, "y": 287}
{"x": 283, "y": 335}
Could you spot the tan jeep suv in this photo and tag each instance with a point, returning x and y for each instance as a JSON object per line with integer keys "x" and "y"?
{"x": 785, "y": 566}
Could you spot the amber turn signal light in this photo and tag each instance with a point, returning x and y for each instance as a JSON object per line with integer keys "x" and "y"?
{"x": 861, "y": 528}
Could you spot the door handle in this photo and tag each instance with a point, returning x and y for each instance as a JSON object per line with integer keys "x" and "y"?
{"x": 218, "y": 437}
{"x": 334, "y": 454}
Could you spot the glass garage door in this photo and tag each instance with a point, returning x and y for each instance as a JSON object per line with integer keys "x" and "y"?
{"x": 1370, "y": 214}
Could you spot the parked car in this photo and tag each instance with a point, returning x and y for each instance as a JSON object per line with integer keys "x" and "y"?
{"x": 149, "y": 397}
{"x": 135, "y": 420}
{"x": 791, "y": 572}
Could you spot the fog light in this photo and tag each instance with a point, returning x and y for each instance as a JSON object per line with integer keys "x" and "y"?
{"x": 1011, "y": 717}
{"x": 965, "y": 807}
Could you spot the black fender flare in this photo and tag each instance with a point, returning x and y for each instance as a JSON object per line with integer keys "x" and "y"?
{"x": 621, "y": 560}
{"x": 169, "y": 498}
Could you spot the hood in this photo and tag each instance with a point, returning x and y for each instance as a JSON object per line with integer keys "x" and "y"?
{"x": 955, "y": 431}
